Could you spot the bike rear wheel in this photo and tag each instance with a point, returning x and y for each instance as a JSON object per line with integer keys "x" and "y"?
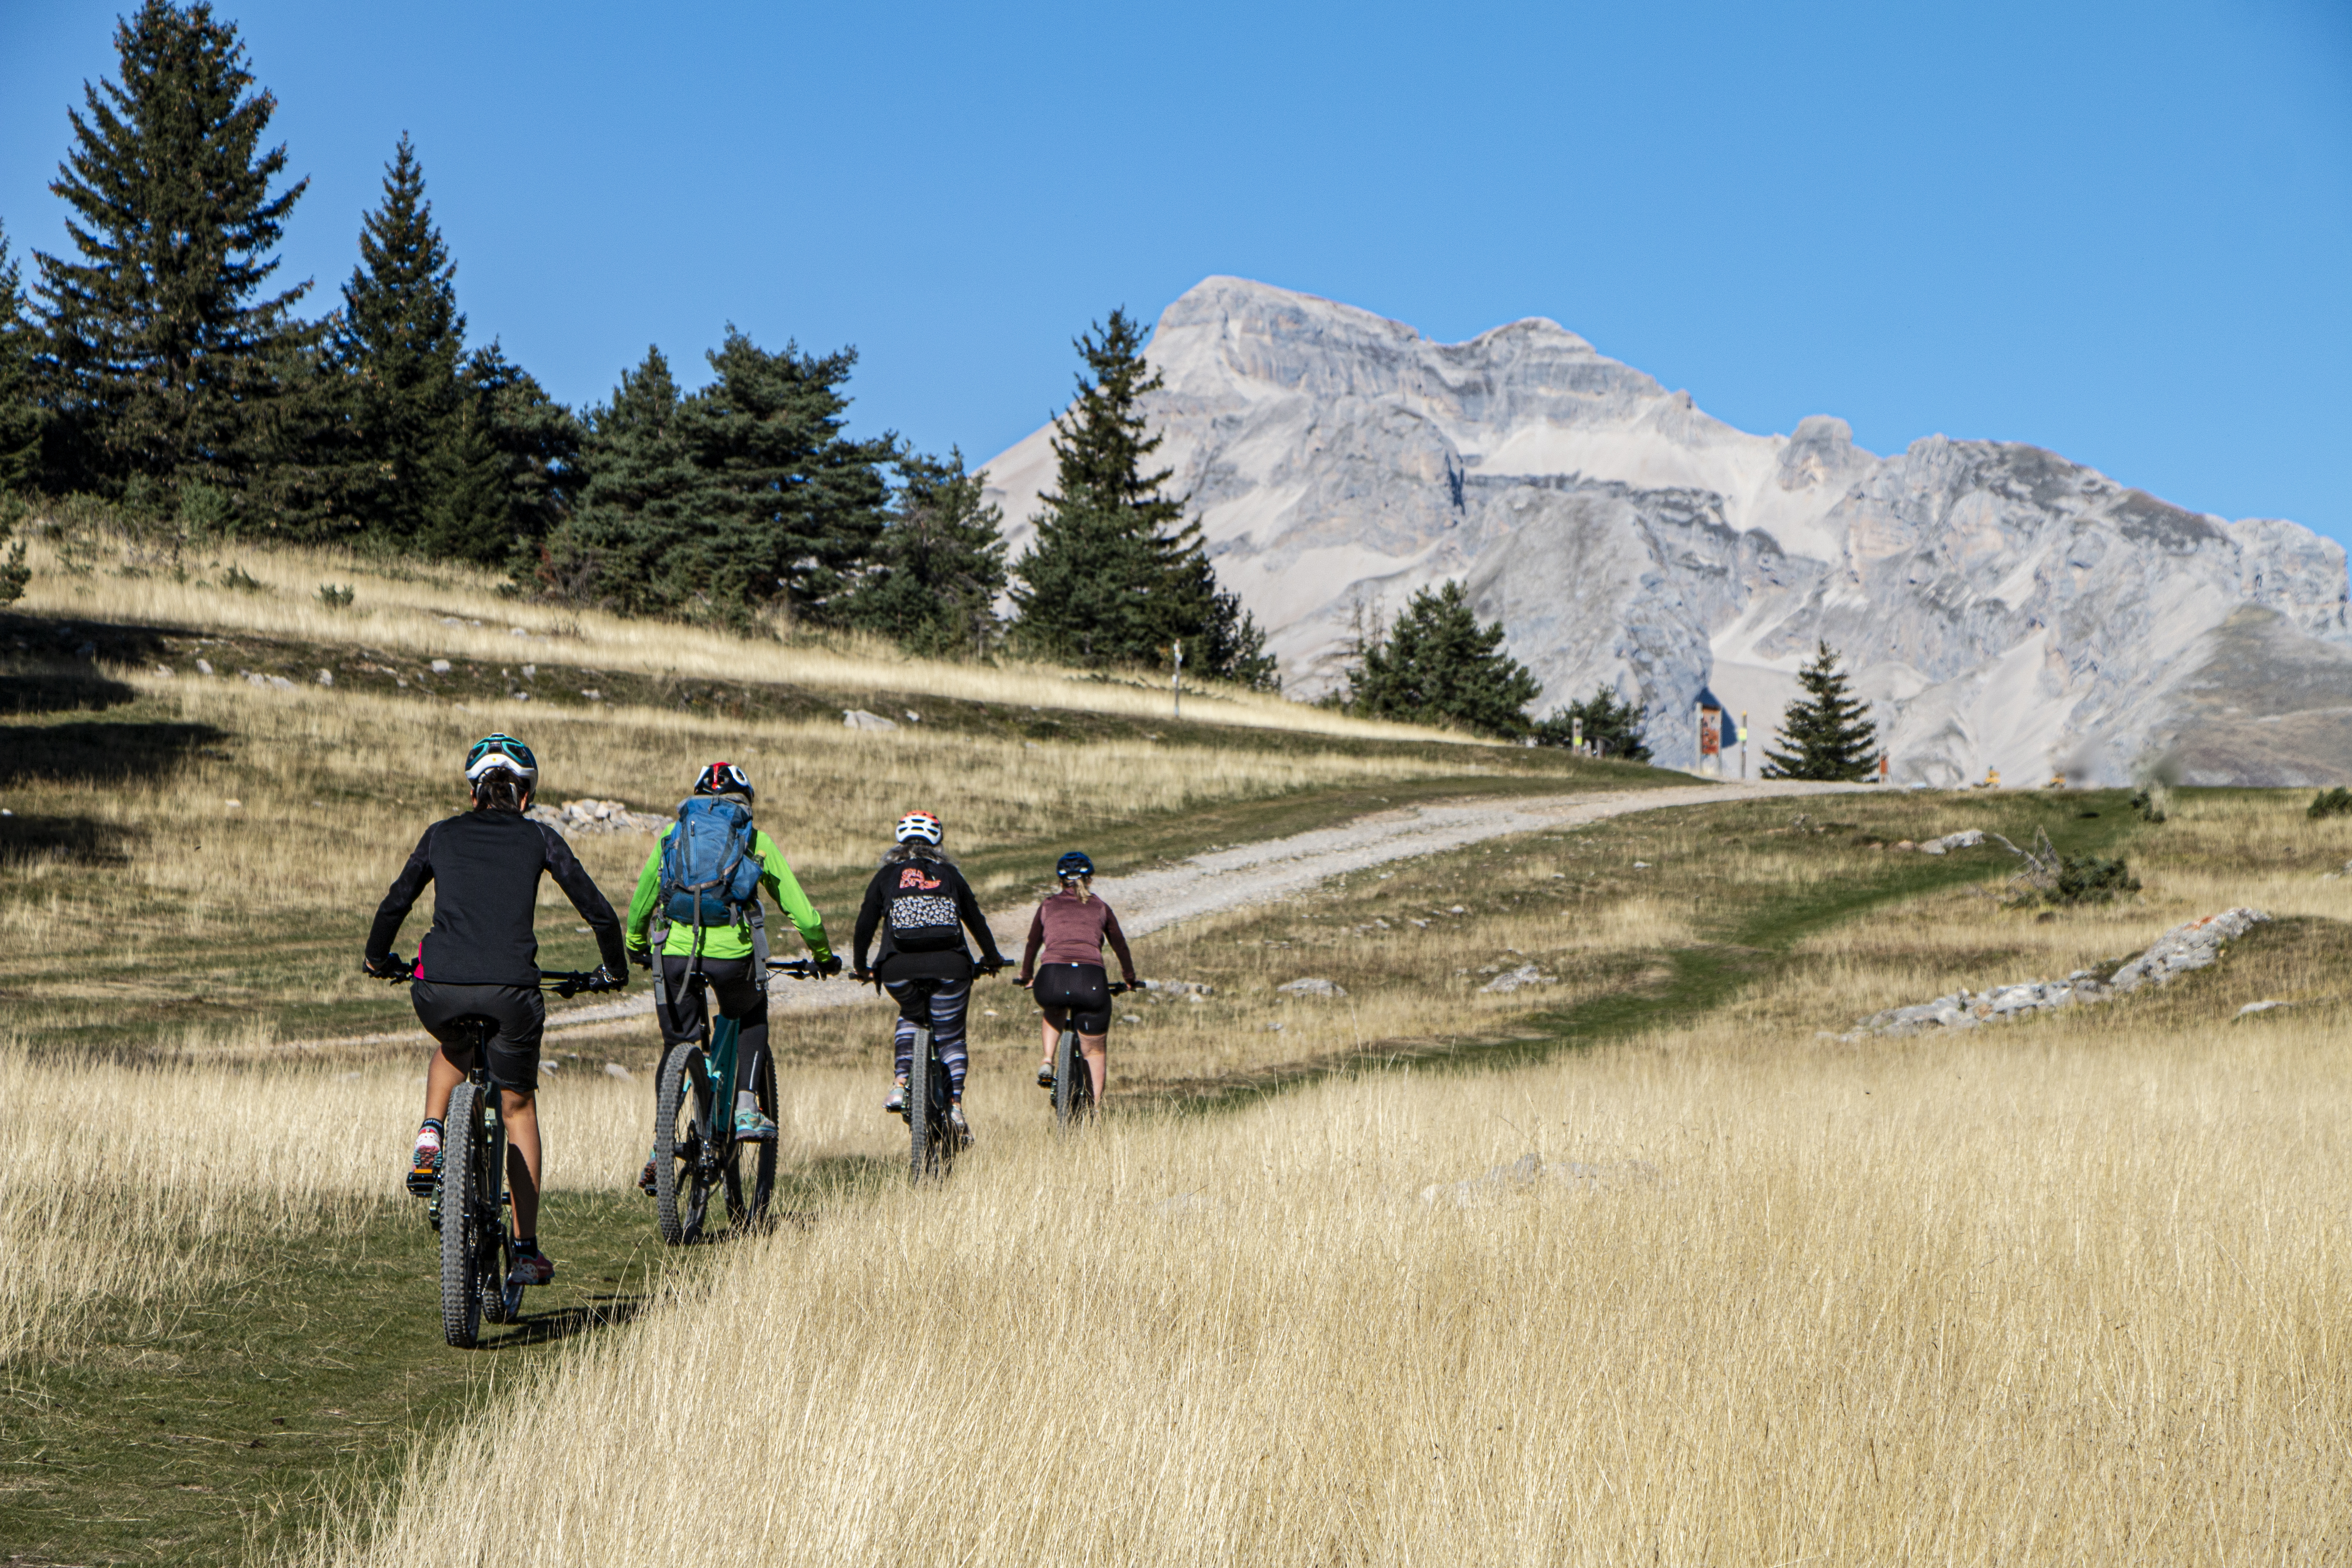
{"x": 747, "y": 1202}
{"x": 683, "y": 1159}
{"x": 462, "y": 1230}
{"x": 1074, "y": 1081}
{"x": 922, "y": 1146}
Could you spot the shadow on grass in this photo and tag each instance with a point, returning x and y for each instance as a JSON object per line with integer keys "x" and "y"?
{"x": 76, "y": 840}
{"x": 96, "y": 752}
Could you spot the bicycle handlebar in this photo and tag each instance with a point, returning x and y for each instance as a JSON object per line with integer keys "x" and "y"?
{"x": 798, "y": 968}
{"x": 571, "y": 982}
{"x": 567, "y": 983}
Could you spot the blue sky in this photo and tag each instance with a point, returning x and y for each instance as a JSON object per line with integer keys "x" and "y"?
{"x": 2123, "y": 231}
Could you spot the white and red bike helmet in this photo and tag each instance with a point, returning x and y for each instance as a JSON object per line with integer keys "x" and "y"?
{"x": 921, "y": 827}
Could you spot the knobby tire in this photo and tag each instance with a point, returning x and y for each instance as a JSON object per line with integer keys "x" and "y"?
{"x": 1073, "y": 1081}
{"x": 922, "y": 1154}
{"x": 461, "y": 1219}
{"x": 681, "y": 1119}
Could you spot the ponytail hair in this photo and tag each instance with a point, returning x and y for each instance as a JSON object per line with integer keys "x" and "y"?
{"x": 1082, "y": 885}
{"x": 500, "y": 791}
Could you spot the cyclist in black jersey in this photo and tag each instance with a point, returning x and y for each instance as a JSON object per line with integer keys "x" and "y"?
{"x": 481, "y": 960}
{"x": 920, "y": 907}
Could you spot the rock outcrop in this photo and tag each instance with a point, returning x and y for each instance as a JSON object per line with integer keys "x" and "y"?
{"x": 1999, "y": 605}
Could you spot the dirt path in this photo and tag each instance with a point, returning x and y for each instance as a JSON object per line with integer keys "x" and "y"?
{"x": 1231, "y": 877}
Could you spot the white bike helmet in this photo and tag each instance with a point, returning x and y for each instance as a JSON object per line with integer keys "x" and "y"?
{"x": 921, "y": 827}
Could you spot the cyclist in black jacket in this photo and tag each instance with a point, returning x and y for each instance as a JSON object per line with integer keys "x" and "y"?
{"x": 921, "y": 905}
{"x": 481, "y": 960}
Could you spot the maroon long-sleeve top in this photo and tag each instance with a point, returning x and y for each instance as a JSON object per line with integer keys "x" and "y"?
{"x": 1069, "y": 930}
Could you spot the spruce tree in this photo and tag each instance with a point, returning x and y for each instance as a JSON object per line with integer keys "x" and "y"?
{"x": 788, "y": 507}
{"x": 1085, "y": 589}
{"x": 1117, "y": 576}
{"x": 939, "y": 565}
{"x": 400, "y": 339}
{"x": 637, "y": 492}
{"x": 20, "y": 414}
{"x": 1826, "y": 732}
{"x": 160, "y": 338}
{"x": 498, "y": 480}
{"x": 1438, "y": 664}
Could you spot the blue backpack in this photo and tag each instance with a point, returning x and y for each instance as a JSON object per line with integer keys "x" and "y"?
{"x": 708, "y": 876}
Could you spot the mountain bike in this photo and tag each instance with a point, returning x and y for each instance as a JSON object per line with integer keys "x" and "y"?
{"x": 694, "y": 1118}
{"x": 1073, "y": 1081}
{"x": 932, "y": 1139}
{"x": 470, "y": 1206}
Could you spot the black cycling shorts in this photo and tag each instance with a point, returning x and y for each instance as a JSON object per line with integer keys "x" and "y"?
{"x": 516, "y": 1013}
{"x": 1082, "y": 988}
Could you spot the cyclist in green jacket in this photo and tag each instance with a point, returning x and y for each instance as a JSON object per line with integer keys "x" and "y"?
{"x": 727, "y": 961}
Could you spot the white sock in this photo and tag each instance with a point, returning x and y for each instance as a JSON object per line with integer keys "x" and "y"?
{"x": 745, "y": 1099}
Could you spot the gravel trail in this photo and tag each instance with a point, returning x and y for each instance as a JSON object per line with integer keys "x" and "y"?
{"x": 1235, "y": 877}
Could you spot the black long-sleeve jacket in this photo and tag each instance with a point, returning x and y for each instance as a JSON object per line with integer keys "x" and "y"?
{"x": 485, "y": 868}
{"x": 931, "y": 880}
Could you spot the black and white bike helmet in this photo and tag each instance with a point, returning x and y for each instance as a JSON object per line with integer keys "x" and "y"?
{"x": 501, "y": 753}
{"x": 1072, "y": 865}
{"x": 724, "y": 778}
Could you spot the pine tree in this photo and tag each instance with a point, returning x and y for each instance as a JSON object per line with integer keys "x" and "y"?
{"x": 159, "y": 340}
{"x": 788, "y": 507}
{"x": 711, "y": 506}
{"x": 1825, "y": 731}
{"x": 940, "y": 563}
{"x": 1116, "y": 575}
{"x": 1438, "y": 664}
{"x": 638, "y": 491}
{"x": 498, "y": 480}
{"x": 400, "y": 339}
{"x": 1611, "y": 726}
{"x": 20, "y": 414}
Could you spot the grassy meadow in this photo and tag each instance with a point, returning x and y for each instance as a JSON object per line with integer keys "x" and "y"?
{"x": 2059, "y": 1292}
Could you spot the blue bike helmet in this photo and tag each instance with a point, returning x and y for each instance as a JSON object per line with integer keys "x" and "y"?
{"x": 1073, "y": 864}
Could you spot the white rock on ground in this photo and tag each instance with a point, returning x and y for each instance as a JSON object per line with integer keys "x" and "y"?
{"x": 1525, "y": 974}
{"x": 2193, "y": 945}
{"x": 2185, "y": 947}
{"x": 1312, "y": 987}
{"x": 860, "y": 718}
{"x": 1966, "y": 838}
{"x": 596, "y": 816}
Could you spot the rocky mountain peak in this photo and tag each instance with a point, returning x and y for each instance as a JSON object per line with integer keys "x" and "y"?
{"x": 2000, "y": 606}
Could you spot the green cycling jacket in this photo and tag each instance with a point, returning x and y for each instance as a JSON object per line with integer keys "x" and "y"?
{"x": 776, "y": 876}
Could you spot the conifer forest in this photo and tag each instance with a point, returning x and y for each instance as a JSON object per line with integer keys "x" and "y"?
{"x": 158, "y": 367}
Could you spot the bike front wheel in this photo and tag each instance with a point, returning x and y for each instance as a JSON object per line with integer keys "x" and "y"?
{"x": 464, "y": 1235}
{"x": 684, "y": 1160}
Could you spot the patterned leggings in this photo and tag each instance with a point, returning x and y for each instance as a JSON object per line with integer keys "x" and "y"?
{"x": 944, "y": 1001}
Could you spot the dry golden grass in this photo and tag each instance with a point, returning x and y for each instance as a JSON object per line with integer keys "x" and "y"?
{"x": 332, "y": 787}
{"x": 2011, "y": 1299}
{"x": 2065, "y": 1291}
{"x": 452, "y": 611}
{"x": 124, "y": 1190}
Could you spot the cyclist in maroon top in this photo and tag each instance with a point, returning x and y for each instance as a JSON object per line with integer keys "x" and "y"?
{"x": 1071, "y": 984}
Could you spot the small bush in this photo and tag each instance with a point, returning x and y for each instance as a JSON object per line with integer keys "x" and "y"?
{"x": 243, "y": 581}
{"x": 2153, "y": 803}
{"x": 335, "y": 598}
{"x": 2088, "y": 879}
{"x": 2336, "y": 801}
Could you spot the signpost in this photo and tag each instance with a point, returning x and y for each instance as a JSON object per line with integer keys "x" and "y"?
{"x": 1176, "y": 680}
